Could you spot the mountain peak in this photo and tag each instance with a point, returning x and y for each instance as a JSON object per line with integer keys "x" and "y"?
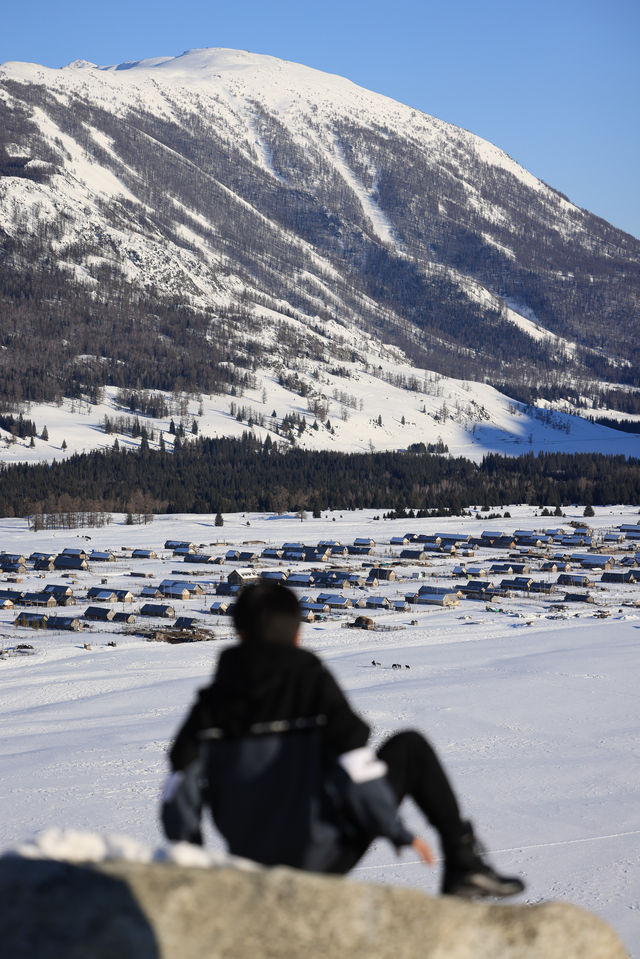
{"x": 199, "y": 60}
{"x": 80, "y": 65}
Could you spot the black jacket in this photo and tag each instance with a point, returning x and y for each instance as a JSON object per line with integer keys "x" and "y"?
{"x": 288, "y": 775}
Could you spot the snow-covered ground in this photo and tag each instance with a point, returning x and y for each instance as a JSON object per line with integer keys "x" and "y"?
{"x": 536, "y": 716}
{"x": 365, "y": 411}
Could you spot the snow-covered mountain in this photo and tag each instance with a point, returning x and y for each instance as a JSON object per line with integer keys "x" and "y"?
{"x": 223, "y": 222}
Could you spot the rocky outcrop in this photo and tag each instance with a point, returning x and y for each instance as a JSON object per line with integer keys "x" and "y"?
{"x": 123, "y": 910}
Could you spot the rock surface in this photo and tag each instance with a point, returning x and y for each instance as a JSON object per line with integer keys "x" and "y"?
{"x": 121, "y": 910}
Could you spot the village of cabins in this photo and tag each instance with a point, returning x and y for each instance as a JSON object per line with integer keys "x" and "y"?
{"x": 555, "y": 567}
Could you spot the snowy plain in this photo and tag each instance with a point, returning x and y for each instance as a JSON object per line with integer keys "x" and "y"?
{"x": 536, "y": 717}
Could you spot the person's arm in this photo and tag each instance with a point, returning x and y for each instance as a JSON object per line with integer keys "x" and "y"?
{"x": 181, "y": 806}
{"x": 373, "y": 804}
{"x": 344, "y": 729}
{"x": 186, "y": 745}
{"x": 369, "y": 798}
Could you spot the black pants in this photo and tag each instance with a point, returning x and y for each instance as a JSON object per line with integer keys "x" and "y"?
{"x": 413, "y": 769}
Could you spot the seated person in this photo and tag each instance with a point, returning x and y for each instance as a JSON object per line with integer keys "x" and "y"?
{"x": 276, "y": 752}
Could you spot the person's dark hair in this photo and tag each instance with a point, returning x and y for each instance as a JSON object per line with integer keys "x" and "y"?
{"x": 267, "y": 613}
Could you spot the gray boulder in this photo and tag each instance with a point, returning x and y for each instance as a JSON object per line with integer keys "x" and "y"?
{"x": 122, "y": 910}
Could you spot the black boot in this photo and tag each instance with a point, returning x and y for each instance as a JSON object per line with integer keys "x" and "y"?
{"x": 467, "y": 874}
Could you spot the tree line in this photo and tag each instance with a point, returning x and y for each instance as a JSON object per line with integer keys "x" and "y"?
{"x": 226, "y": 475}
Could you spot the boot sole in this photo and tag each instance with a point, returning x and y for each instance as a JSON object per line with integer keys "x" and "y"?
{"x": 484, "y": 888}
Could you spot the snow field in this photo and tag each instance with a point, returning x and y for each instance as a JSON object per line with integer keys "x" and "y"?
{"x": 537, "y": 724}
{"x": 472, "y": 419}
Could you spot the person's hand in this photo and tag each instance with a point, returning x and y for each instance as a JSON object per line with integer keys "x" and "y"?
{"x": 424, "y": 850}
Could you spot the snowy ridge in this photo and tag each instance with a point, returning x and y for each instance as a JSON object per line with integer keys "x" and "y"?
{"x": 228, "y": 84}
{"x": 296, "y": 92}
{"x": 291, "y": 87}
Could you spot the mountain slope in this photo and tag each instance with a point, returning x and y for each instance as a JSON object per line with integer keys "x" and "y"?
{"x": 191, "y": 222}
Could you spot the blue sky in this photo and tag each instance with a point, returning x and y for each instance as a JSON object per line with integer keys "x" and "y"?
{"x": 554, "y": 84}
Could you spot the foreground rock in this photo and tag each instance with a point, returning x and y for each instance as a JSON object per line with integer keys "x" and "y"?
{"x": 119, "y": 910}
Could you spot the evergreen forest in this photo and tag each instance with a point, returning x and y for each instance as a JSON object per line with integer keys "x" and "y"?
{"x": 211, "y": 475}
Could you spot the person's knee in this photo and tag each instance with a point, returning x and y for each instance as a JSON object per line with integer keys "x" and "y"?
{"x": 410, "y": 742}
{"x": 413, "y": 739}
{"x": 417, "y": 748}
